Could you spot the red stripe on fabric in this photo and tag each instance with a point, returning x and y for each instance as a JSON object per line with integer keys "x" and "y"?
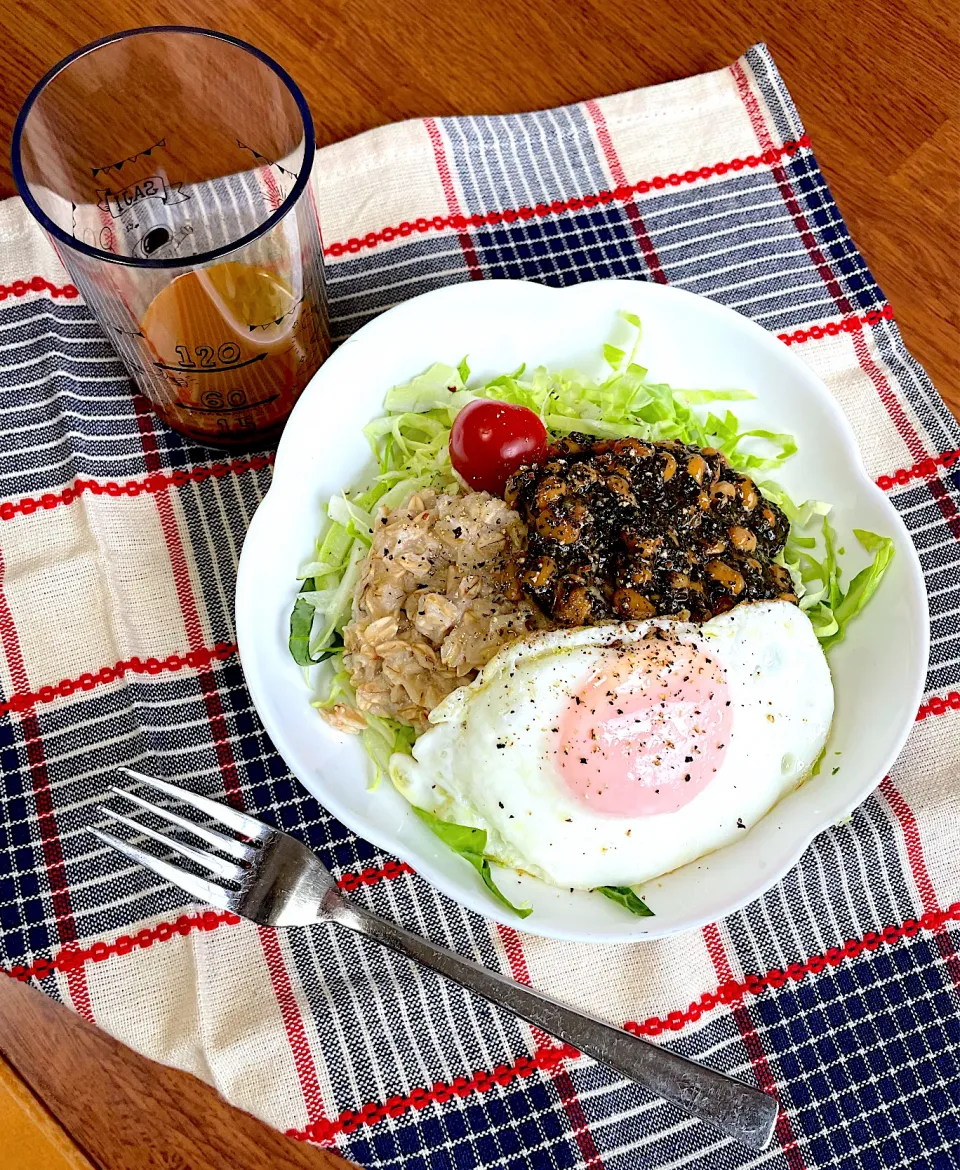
{"x": 274, "y": 194}
{"x": 733, "y": 991}
{"x": 369, "y": 877}
{"x": 43, "y": 801}
{"x": 293, "y": 1024}
{"x": 441, "y": 1092}
{"x": 633, "y": 212}
{"x": 517, "y": 961}
{"x": 510, "y": 215}
{"x": 911, "y": 836}
{"x": 124, "y": 944}
{"x": 730, "y": 992}
{"x": 578, "y": 1121}
{"x": 188, "y": 606}
{"x": 200, "y": 658}
{"x": 152, "y": 484}
{"x": 924, "y": 469}
{"x": 897, "y": 414}
{"x": 544, "y": 1043}
{"x": 78, "y": 990}
{"x": 751, "y": 1041}
{"x": 69, "y": 959}
{"x": 783, "y": 1129}
{"x": 759, "y": 125}
{"x": 850, "y": 324}
{"x": 214, "y": 707}
{"x": 716, "y": 953}
{"x": 450, "y": 194}
{"x": 20, "y": 288}
{"x": 921, "y": 875}
{"x": 939, "y": 706}
{"x": 948, "y": 509}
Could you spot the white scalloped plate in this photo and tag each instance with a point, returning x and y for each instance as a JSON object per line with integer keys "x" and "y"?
{"x": 688, "y": 341}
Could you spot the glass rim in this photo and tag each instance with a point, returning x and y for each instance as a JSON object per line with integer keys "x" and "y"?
{"x": 201, "y": 258}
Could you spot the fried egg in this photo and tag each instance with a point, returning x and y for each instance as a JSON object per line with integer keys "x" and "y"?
{"x": 609, "y": 755}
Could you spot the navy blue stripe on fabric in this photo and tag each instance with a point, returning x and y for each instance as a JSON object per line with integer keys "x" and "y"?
{"x": 54, "y": 360}
{"x": 66, "y": 405}
{"x": 831, "y": 233}
{"x": 522, "y": 160}
{"x": 361, "y": 288}
{"x": 744, "y": 252}
{"x": 786, "y": 118}
{"x": 588, "y": 245}
{"x": 26, "y": 920}
{"x": 217, "y": 516}
{"x": 519, "y": 1128}
{"x": 939, "y": 551}
{"x": 159, "y": 726}
{"x": 867, "y": 1055}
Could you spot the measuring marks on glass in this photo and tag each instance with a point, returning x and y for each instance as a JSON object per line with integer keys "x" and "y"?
{"x": 221, "y": 345}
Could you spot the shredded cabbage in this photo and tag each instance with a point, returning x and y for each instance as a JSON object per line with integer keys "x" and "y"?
{"x": 382, "y": 738}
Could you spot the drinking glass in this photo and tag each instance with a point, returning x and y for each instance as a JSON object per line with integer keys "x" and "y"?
{"x": 170, "y": 167}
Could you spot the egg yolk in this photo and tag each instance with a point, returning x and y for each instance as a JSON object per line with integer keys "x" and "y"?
{"x": 648, "y": 731}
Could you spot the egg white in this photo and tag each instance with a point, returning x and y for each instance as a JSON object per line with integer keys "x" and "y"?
{"x": 486, "y": 761}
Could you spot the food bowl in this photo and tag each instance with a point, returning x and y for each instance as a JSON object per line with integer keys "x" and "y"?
{"x": 688, "y": 341}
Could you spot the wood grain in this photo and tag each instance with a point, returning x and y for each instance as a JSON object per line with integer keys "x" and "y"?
{"x": 127, "y": 1113}
{"x": 31, "y": 1138}
{"x": 877, "y": 85}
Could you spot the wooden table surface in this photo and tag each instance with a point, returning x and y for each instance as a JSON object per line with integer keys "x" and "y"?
{"x": 877, "y": 86}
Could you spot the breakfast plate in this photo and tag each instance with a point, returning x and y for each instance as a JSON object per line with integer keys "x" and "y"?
{"x": 878, "y": 669}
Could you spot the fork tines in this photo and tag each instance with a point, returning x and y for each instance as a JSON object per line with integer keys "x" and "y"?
{"x": 201, "y": 888}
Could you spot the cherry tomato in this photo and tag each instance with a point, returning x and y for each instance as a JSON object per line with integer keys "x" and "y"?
{"x": 489, "y": 440}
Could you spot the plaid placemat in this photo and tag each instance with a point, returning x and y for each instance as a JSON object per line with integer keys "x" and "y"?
{"x": 838, "y": 990}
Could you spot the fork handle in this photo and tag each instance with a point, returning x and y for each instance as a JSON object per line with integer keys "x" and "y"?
{"x": 738, "y": 1110}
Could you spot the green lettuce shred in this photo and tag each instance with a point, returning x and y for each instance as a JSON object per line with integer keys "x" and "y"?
{"x": 471, "y": 845}
{"x": 627, "y": 898}
{"x": 382, "y": 738}
{"x": 864, "y": 584}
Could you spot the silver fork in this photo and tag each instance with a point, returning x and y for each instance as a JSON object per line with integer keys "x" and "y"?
{"x": 274, "y": 880}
